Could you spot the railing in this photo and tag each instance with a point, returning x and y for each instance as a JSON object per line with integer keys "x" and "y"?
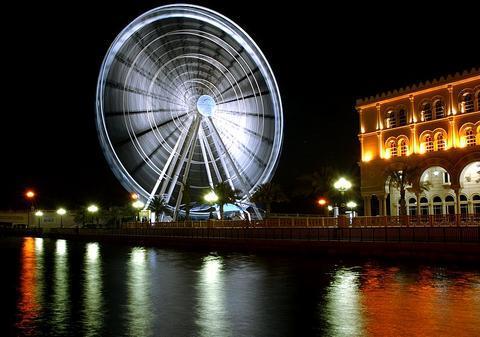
{"x": 327, "y": 222}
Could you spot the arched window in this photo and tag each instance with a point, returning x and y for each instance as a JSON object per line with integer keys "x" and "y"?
{"x": 423, "y": 206}
{"x": 426, "y": 112}
{"x": 429, "y": 144}
{"x": 437, "y": 205}
{"x": 391, "y": 119}
{"x": 439, "y": 109}
{"x": 476, "y": 205}
{"x": 470, "y": 137}
{"x": 412, "y": 207}
{"x": 402, "y": 117}
{"x": 467, "y": 103}
{"x": 393, "y": 149}
{"x": 463, "y": 205}
{"x": 403, "y": 147}
{"x": 439, "y": 142}
{"x": 449, "y": 198}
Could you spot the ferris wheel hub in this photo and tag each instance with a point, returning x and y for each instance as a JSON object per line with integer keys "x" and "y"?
{"x": 206, "y": 105}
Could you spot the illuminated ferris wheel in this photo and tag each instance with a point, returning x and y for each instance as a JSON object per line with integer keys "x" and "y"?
{"x": 185, "y": 98}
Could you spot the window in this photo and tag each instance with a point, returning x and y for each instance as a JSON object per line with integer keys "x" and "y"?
{"x": 391, "y": 119}
{"x": 403, "y": 148}
{"x": 423, "y": 206}
{"x": 402, "y": 117}
{"x": 470, "y": 137}
{"x": 393, "y": 149}
{"x": 449, "y": 198}
{"x": 463, "y": 206}
{"x": 437, "y": 205}
{"x": 446, "y": 178}
{"x": 467, "y": 103}
{"x": 440, "y": 142}
{"x": 428, "y": 143}
{"x": 426, "y": 112}
{"x": 476, "y": 204}
{"x": 439, "y": 109}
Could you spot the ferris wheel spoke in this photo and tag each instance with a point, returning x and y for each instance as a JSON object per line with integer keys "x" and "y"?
{"x": 254, "y": 95}
{"x": 247, "y": 130}
{"x": 140, "y": 112}
{"x": 201, "y": 138}
{"x": 150, "y": 129}
{"x": 221, "y": 146}
{"x": 243, "y": 78}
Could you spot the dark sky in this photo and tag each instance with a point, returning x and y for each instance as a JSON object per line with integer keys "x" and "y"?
{"x": 323, "y": 59}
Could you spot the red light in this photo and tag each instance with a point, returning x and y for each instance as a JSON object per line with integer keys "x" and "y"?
{"x": 322, "y": 202}
{"x": 30, "y": 194}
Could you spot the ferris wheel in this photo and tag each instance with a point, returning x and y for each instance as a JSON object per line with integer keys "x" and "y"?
{"x": 186, "y": 99}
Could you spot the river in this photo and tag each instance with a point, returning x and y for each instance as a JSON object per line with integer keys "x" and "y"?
{"x": 68, "y": 288}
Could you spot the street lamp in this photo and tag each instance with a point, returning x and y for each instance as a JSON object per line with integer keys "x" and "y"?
{"x": 29, "y": 195}
{"x": 323, "y": 202}
{"x": 211, "y": 198}
{"x": 92, "y": 209}
{"x": 39, "y": 215}
{"x": 61, "y": 212}
{"x": 342, "y": 185}
{"x": 138, "y": 205}
{"x": 134, "y": 196}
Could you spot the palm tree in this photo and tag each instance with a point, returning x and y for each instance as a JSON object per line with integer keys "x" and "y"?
{"x": 317, "y": 182}
{"x": 158, "y": 206}
{"x": 226, "y": 195}
{"x": 268, "y": 194}
{"x": 417, "y": 189}
{"x": 402, "y": 177}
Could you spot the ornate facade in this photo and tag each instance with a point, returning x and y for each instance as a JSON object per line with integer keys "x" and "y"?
{"x": 434, "y": 127}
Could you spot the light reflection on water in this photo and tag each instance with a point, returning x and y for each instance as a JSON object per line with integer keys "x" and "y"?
{"x": 92, "y": 289}
{"x": 211, "y": 313}
{"x": 93, "y": 301}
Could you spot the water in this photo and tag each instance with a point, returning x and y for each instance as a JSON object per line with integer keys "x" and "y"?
{"x": 57, "y": 287}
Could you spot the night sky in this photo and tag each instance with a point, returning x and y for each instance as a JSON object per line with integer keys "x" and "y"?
{"x": 323, "y": 59}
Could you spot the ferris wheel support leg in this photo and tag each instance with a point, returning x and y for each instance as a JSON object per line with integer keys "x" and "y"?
{"x": 174, "y": 162}
{"x": 237, "y": 172}
{"x": 190, "y": 149}
{"x": 162, "y": 174}
{"x": 205, "y": 158}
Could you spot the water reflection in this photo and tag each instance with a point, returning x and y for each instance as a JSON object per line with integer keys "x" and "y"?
{"x": 212, "y": 317}
{"x": 140, "y": 315}
{"x": 343, "y": 310}
{"x": 93, "y": 300}
{"x": 61, "y": 296}
{"x": 28, "y": 305}
{"x": 424, "y": 302}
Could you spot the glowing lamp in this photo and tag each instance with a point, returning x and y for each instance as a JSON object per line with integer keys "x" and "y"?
{"x": 61, "y": 211}
{"x": 30, "y": 194}
{"x": 92, "y": 208}
{"x": 211, "y": 197}
{"x": 322, "y": 202}
{"x": 134, "y": 196}
{"x": 138, "y": 204}
{"x": 342, "y": 184}
{"x": 351, "y": 204}
{"x": 38, "y": 213}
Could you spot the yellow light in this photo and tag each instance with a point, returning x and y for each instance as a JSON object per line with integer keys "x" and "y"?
{"x": 38, "y": 213}
{"x": 61, "y": 211}
{"x": 342, "y": 184}
{"x": 330, "y": 207}
{"x": 367, "y": 156}
{"x": 363, "y": 129}
{"x": 351, "y": 204}
{"x": 211, "y": 197}
{"x": 463, "y": 142}
{"x": 387, "y": 154}
{"x": 134, "y": 196}
{"x": 30, "y": 194}
{"x": 92, "y": 208}
{"x": 322, "y": 201}
{"x": 138, "y": 204}
{"x": 422, "y": 148}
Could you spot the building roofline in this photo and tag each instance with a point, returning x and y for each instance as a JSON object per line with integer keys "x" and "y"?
{"x": 416, "y": 87}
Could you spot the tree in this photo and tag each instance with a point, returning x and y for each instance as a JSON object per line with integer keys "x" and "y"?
{"x": 315, "y": 183}
{"x": 158, "y": 206}
{"x": 226, "y": 195}
{"x": 417, "y": 189}
{"x": 401, "y": 177}
{"x": 267, "y": 194}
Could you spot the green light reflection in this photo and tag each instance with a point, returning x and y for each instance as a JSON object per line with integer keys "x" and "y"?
{"x": 139, "y": 307}
{"x": 212, "y": 318}
{"x": 61, "y": 299}
{"x": 93, "y": 298}
{"x": 343, "y": 306}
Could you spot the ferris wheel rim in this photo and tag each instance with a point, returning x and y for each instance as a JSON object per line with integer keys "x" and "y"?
{"x": 202, "y": 14}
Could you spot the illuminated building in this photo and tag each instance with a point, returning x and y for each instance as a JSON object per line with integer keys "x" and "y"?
{"x": 433, "y": 127}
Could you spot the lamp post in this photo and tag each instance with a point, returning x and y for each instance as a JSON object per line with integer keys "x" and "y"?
{"x": 29, "y": 195}
{"x": 342, "y": 185}
{"x": 61, "y": 212}
{"x": 92, "y": 209}
{"x": 351, "y": 205}
{"x": 211, "y": 198}
{"x": 138, "y": 205}
{"x": 39, "y": 215}
{"x": 322, "y": 202}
